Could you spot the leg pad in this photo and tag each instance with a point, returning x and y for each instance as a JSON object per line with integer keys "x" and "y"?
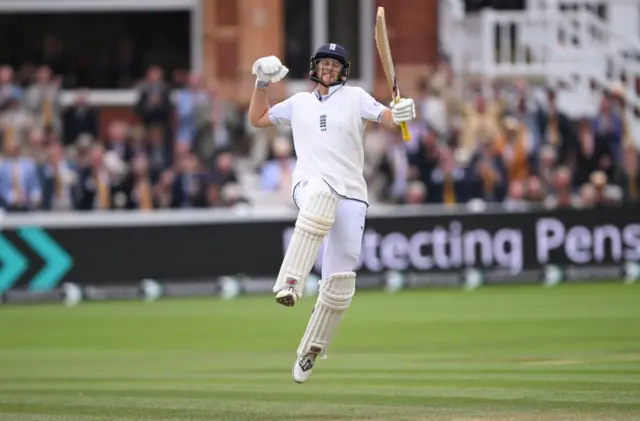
{"x": 313, "y": 224}
{"x": 334, "y": 298}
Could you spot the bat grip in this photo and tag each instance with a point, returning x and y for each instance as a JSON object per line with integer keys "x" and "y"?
{"x": 405, "y": 131}
{"x": 406, "y": 136}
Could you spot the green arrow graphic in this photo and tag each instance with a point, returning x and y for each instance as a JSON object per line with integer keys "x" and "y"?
{"x": 57, "y": 260}
{"x": 13, "y": 264}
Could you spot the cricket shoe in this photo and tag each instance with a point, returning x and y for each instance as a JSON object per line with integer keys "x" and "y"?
{"x": 303, "y": 367}
{"x": 287, "y": 297}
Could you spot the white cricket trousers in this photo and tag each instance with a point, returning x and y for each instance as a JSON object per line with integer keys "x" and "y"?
{"x": 343, "y": 244}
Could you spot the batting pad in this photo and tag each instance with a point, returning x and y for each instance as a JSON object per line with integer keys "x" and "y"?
{"x": 334, "y": 298}
{"x": 312, "y": 225}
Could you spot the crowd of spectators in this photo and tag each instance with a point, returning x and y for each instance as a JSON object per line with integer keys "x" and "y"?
{"x": 53, "y": 157}
{"x": 500, "y": 142}
{"x": 472, "y": 141}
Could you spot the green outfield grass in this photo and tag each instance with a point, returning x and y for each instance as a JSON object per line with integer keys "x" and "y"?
{"x": 497, "y": 353}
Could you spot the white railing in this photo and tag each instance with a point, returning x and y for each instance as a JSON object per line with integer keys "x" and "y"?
{"x": 558, "y": 41}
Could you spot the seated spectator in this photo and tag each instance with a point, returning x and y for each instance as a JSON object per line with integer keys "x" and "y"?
{"x": 587, "y": 196}
{"x": 609, "y": 125}
{"x": 15, "y": 123}
{"x": 536, "y": 191}
{"x": 515, "y": 147}
{"x": 58, "y": 179}
{"x": 481, "y": 116}
{"x": 424, "y": 160}
{"x": 117, "y": 140}
{"x": 10, "y": 91}
{"x": 154, "y": 103}
{"x": 276, "y": 173}
{"x": 43, "y": 100}
{"x": 79, "y": 118}
{"x": 594, "y": 153}
{"x": 449, "y": 182}
{"x": 556, "y": 131}
{"x": 139, "y": 187}
{"x": 561, "y": 190}
{"x": 516, "y": 197}
{"x": 99, "y": 176}
{"x": 416, "y": 193}
{"x": 627, "y": 174}
{"x": 546, "y": 164}
{"x": 160, "y": 157}
{"x": 189, "y": 183}
{"x": 19, "y": 185}
{"x": 490, "y": 170}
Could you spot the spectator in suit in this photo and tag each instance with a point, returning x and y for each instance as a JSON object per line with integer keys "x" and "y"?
{"x": 9, "y": 90}
{"x": 15, "y": 123}
{"x": 425, "y": 159}
{"x": 561, "y": 190}
{"x": 547, "y": 160}
{"x": 189, "y": 99}
{"x": 224, "y": 170}
{"x": 19, "y": 185}
{"x": 609, "y": 125}
{"x": 138, "y": 186}
{"x": 449, "y": 182}
{"x": 160, "y": 157}
{"x": 137, "y": 140}
{"x": 95, "y": 181}
{"x": 154, "y": 102}
{"x": 43, "y": 99}
{"x": 491, "y": 180}
{"x": 594, "y": 153}
{"x": 80, "y": 118}
{"x": 557, "y": 131}
{"x": 117, "y": 140}
{"x": 58, "y": 180}
{"x": 189, "y": 184}
{"x": 163, "y": 189}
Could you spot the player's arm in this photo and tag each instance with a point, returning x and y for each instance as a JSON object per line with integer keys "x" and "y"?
{"x": 372, "y": 110}
{"x": 267, "y": 70}
{"x": 387, "y": 119}
{"x": 259, "y": 108}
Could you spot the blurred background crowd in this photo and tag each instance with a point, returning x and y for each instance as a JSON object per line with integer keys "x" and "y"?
{"x": 473, "y": 141}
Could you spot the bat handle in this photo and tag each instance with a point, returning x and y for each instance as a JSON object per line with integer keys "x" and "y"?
{"x": 406, "y": 136}
{"x": 405, "y": 131}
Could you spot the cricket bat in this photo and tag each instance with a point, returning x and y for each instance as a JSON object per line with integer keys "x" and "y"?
{"x": 384, "y": 51}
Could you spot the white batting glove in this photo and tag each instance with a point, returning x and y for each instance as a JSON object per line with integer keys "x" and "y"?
{"x": 267, "y": 70}
{"x": 404, "y": 110}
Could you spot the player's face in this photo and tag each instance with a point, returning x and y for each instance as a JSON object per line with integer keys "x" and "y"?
{"x": 328, "y": 70}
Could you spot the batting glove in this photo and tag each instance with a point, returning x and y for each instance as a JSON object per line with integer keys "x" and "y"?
{"x": 267, "y": 70}
{"x": 404, "y": 110}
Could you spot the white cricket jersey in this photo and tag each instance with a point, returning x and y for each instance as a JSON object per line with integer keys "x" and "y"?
{"x": 328, "y": 135}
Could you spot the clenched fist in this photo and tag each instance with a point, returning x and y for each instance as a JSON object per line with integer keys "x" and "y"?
{"x": 267, "y": 70}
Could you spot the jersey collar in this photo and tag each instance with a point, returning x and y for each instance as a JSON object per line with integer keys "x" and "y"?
{"x": 332, "y": 90}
